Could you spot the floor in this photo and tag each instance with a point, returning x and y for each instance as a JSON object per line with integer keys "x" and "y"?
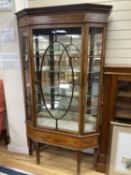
{"x": 54, "y": 161}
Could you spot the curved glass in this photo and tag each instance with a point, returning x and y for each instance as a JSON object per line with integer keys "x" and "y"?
{"x": 93, "y": 74}
{"x": 57, "y": 61}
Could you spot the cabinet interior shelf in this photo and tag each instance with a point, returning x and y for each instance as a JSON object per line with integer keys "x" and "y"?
{"x": 123, "y": 105}
{"x": 123, "y": 113}
{"x": 126, "y": 94}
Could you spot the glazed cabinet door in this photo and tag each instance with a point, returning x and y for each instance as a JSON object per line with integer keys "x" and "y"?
{"x": 57, "y": 60}
{"x": 24, "y": 37}
{"x": 94, "y": 77}
{"x": 122, "y": 108}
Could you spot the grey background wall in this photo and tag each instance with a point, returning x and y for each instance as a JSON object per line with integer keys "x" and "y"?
{"x": 10, "y": 72}
{"x": 118, "y": 49}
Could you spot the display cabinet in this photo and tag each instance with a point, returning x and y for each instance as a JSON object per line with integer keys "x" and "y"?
{"x": 116, "y": 107}
{"x": 62, "y": 51}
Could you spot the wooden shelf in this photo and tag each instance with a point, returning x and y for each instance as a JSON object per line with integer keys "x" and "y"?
{"x": 124, "y": 94}
{"x": 123, "y": 105}
{"x": 123, "y": 113}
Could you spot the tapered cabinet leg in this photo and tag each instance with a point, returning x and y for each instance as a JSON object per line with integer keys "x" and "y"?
{"x": 37, "y": 147}
{"x": 96, "y": 152}
{"x": 5, "y": 137}
{"x": 78, "y": 155}
{"x": 30, "y": 145}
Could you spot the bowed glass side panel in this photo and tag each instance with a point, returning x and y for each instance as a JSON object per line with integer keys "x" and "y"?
{"x": 26, "y": 68}
{"x": 57, "y": 56}
{"x": 93, "y": 74}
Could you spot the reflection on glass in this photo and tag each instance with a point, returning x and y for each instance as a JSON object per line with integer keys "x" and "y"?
{"x": 94, "y": 61}
{"x": 57, "y": 72}
{"x": 27, "y": 75}
{"x": 123, "y": 105}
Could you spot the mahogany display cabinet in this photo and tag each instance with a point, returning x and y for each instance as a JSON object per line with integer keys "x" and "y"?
{"x": 62, "y": 53}
{"x": 116, "y": 107}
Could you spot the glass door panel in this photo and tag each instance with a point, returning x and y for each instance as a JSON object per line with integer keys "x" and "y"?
{"x": 57, "y": 55}
{"x": 93, "y": 74}
{"x": 28, "y": 90}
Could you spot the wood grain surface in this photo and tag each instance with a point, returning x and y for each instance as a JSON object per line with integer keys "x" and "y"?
{"x": 54, "y": 161}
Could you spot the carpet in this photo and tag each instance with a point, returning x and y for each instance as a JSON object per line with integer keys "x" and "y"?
{"x": 9, "y": 171}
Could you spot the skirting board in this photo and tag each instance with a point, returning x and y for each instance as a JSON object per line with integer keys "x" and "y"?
{"x": 18, "y": 149}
